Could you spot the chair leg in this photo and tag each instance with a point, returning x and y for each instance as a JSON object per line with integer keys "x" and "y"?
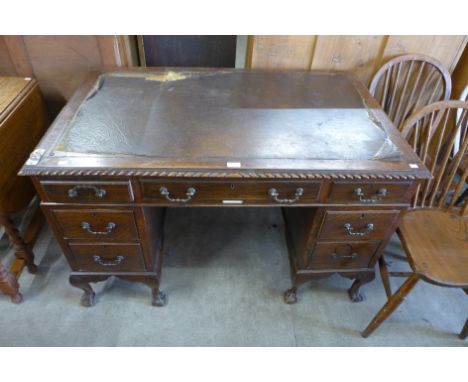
{"x": 392, "y": 303}
{"x": 385, "y": 277}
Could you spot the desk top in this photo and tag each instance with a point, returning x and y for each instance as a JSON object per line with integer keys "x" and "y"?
{"x": 226, "y": 123}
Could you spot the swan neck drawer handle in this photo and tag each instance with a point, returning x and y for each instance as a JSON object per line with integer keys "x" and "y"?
{"x": 189, "y": 194}
{"x": 381, "y": 193}
{"x": 99, "y": 192}
{"x": 108, "y": 263}
{"x": 273, "y": 192}
{"x": 109, "y": 228}
{"x": 349, "y": 228}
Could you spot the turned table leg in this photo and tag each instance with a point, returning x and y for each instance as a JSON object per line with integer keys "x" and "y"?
{"x": 22, "y": 251}
{"x": 9, "y": 285}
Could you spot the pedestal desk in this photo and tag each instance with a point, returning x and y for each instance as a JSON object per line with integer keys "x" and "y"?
{"x": 131, "y": 143}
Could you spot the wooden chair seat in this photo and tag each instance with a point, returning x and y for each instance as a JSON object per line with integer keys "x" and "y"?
{"x": 439, "y": 261}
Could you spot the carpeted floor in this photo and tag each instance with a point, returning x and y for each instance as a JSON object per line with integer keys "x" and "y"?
{"x": 225, "y": 273}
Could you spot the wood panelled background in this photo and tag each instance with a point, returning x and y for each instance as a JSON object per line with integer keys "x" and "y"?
{"x": 361, "y": 54}
{"x": 61, "y": 63}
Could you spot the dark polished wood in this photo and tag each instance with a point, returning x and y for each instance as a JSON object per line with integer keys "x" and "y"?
{"x": 131, "y": 143}
{"x": 88, "y": 192}
{"x": 23, "y": 120}
{"x": 229, "y": 193}
{"x": 434, "y": 233}
{"x": 97, "y": 224}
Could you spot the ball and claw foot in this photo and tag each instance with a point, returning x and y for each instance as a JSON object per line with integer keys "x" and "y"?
{"x": 87, "y": 299}
{"x": 355, "y": 295}
{"x": 160, "y": 299}
{"x": 290, "y": 296}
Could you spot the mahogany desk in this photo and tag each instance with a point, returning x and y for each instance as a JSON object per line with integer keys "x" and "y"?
{"x": 131, "y": 143}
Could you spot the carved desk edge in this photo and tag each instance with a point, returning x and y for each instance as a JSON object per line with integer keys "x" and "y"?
{"x": 32, "y": 171}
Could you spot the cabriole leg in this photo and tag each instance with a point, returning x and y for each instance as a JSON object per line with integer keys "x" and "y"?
{"x": 88, "y": 296}
{"x": 354, "y": 292}
{"x": 158, "y": 298}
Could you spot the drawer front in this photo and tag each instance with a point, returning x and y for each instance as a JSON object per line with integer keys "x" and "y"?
{"x": 357, "y": 225}
{"x": 108, "y": 257}
{"x": 369, "y": 193}
{"x": 97, "y": 224}
{"x": 88, "y": 192}
{"x": 226, "y": 193}
{"x": 342, "y": 255}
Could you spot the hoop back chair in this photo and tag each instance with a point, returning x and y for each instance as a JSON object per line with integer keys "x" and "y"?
{"x": 407, "y": 83}
{"x": 434, "y": 234}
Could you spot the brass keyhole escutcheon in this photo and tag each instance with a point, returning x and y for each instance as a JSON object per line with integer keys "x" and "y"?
{"x": 232, "y": 186}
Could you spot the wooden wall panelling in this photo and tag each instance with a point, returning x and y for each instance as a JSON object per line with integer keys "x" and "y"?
{"x": 361, "y": 54}
{"x": 460, "y": 75}
{"x": 118, "y": 50}
{"x": 6, "y": 65}
{"x": 446, "y": 49}
{"x": 108, "y": 50}
{"x": 355, "y": 53}
{"x": 291, "y": 52}
{"x": 60, "y": 63}
{"x": 19, "y": 55}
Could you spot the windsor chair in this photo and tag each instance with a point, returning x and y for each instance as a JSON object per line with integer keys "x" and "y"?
{"x": 434, "y": 234}
{"x": 407, "y": 83}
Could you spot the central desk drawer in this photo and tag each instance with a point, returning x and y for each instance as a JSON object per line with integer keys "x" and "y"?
{"x": 357, "y": 225}
{"x": 87, "y": 192}
{"x": 97, "y": 224}
{"x": 108, "y": 257}
{"x": 369, "y": 193}
{"x": 225, "y": 193}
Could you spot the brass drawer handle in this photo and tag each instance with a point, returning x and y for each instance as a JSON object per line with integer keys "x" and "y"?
{"x": 99, "y": 192}
{"x": 273, "y": 192}
{"x": 335, "y": 256}
{"x": 109, "y": 228}
{"x": 349, "y": 228}
{"x": 108, "y": 263}
{"x": 381, "y": 193}
{"x": 189, "y": 193}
